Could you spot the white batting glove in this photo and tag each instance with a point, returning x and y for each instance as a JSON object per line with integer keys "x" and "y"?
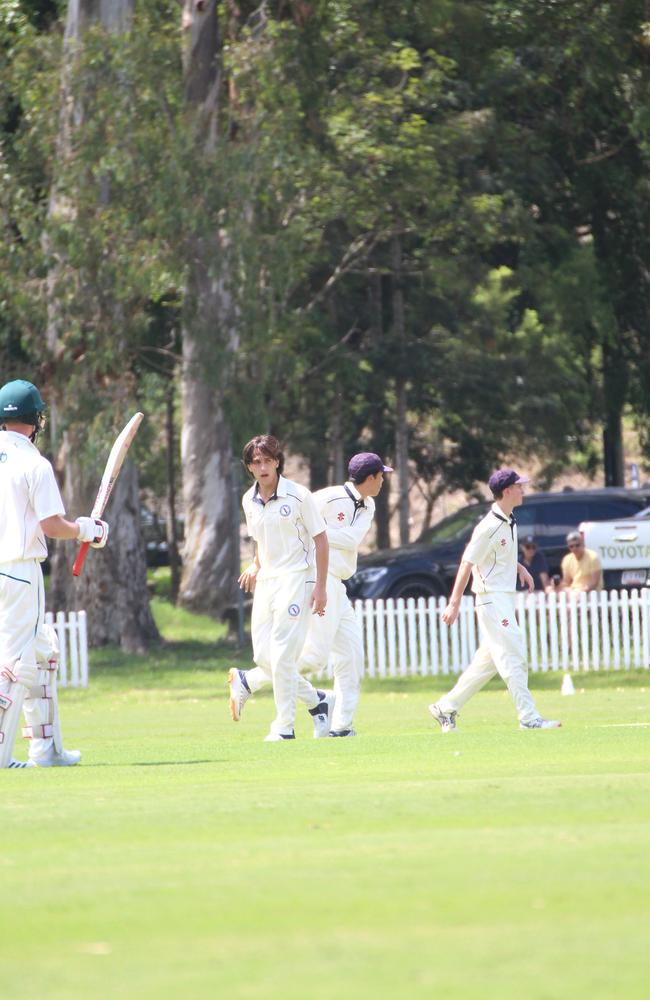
{"x": 93, "y": 530}
{"x": 26, "y": 673}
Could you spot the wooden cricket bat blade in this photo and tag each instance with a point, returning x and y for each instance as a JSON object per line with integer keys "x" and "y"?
{"x": 115, "y": 461}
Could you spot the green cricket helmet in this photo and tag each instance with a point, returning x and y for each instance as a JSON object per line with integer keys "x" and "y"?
{"x": 21, "y": 401}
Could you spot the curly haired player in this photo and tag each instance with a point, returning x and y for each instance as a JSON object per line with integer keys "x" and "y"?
{"x": 290, "y": 537}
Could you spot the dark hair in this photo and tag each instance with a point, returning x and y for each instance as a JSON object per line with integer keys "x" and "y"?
{"x": 268, "y": 445}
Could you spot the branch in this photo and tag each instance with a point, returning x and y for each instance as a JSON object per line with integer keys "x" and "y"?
{"x": 363, "y": 243}
{"x": 599, "y": 157}
{"x": 331, "y": 350}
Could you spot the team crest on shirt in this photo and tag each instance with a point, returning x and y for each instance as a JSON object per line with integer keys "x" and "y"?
{"x": 505, "y": 622}
{"x": 294, "y": 610}
{"x": 504, "y": 541}
{"x": 340, "y": 516}
{"x": 285, "y": 510}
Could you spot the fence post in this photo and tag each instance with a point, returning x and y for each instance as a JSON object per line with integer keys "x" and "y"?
{"x": 636, "y": 627}
{"x": 63, "y": 650}
{"x": 454, "y": 636}
{"x": 645, "y": 626}
{"x": 392, "y": 649}
{"x": 616, "y": 625}
{"x": 444, "y": 637}
{"x": 543, "y": 628}
{"x": 369, "y": 615}
{"x": 380, "y": 624}
{"x": 400, "y": 612}
{"x": 432, "y": 616}
{"x": 83, "y": 647}
{"x": 412, "y": 635}
{"x": 595, "y": 630}
{"x": 531, "y": 609}
{"x": 625, "y": 627}
{"x": 603, "y": 605}
{"x": 422, "y": 636}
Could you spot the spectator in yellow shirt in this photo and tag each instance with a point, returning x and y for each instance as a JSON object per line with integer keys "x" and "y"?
{"x": 581, "y": 568}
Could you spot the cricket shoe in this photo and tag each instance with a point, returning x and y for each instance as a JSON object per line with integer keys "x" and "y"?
{"x": 20, "y": 763}
{"x": 540, "y": 724}
{"x": 322, "y": 713}
{"x": 239, "y": 692}
{"x": 343, "y": 732}
{"x": 447, "y": 720}
{"x": 57, "y": 758}
{"x": 275, "y": 737}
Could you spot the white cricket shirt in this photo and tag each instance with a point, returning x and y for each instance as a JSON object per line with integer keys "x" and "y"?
{"x": 283, "y": 528}
{"x": 348, "y": 518}
{"x": 493, "y": 551}
{"x": 28, "y": 494}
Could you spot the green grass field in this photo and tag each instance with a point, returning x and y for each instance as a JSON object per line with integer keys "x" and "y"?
{"x": 186, "y": 857}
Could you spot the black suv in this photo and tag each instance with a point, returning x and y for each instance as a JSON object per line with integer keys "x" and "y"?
{"x": 427, "y": 568}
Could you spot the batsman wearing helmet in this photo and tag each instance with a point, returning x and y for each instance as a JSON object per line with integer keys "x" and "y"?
{"x": 31, "y": 509}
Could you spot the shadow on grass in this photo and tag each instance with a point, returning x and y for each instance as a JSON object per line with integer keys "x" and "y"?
{"x": 158, "y": 763}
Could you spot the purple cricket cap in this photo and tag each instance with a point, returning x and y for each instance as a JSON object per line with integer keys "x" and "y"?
{"x": 502, "y": 478}
{"x": 366, "y": 463}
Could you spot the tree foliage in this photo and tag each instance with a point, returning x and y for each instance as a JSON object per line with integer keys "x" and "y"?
{"x": 484, "y": 164}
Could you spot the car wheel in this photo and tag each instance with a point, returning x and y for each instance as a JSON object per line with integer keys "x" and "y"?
{"x": 415, "y": 586}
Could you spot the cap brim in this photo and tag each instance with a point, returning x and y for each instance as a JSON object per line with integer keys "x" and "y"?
{"x": 522, "y": 480}
{"x": 387, "y": 468}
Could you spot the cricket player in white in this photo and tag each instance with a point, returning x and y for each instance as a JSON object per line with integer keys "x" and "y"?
{"x": 31, "y": 508}
{"x": 491, "y": 559}
{"x": 289, "y": 533}
{"x": 348, "y": 511}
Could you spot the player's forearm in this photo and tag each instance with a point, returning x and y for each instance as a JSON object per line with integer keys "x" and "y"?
{"x": 462, "y": 578}
{"x": 58, "y": 527}
{"x": 322, "y": 558}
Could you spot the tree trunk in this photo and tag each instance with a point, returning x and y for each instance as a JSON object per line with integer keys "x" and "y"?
{"x": 113, "y": 585}
{"x": 339, "y": 467}
{"x": 614, "y": 395}
{"x": 209, "y": 339}
{"x": 112, "y": 588}
{"x": 377, "y": 422}
{"x": 172, "y": 528}
{"x": 401, "y": 431}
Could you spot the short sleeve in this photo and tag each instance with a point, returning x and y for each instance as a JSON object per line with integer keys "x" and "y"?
{"x": 44, "y": 493}
{"x": 478, "y": 546}
{"x": 311, "y": 516}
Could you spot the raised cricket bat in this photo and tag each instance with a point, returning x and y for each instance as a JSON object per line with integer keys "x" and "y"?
{"x": 111, "y": 472}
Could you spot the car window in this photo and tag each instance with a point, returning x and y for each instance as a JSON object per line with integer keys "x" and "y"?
{"x": 456, "y": 526}
{"x": 556, "y": 518}
{"x": 526, "y": 518}
{"x": 611, "y": 510}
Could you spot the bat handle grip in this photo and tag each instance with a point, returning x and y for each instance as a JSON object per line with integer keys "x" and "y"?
{"x": 81, "y": 558}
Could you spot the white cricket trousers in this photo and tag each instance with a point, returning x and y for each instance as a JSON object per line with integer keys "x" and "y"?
{"x": 336, "y": 637}
{"x": 24, "y": 636}
{"x": 279, "y": 623}
{"x": 503, "y": 651}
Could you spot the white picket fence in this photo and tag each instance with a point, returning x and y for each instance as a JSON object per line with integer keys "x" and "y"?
{"x": 609, "y": 630}
{"x": 73, "y": 647}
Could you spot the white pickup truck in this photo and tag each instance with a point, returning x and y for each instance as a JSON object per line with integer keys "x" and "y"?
{"x": 623, "y": 547}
